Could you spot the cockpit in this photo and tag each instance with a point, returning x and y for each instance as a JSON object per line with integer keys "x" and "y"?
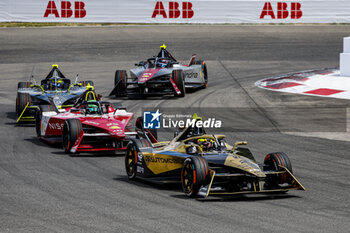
{"x": 164, "y": 59}
{"x": 195, "y": 140}
{"x": 55, "y": 81}
{"x": 91, "y": 107}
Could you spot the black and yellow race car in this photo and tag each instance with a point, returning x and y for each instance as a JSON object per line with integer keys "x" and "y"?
{"x": 206, "y": 165}
{"x": 56, "y": 86}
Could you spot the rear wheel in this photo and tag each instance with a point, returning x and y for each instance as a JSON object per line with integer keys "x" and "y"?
{"x": 120, "y": 79}
{"x": 131, "y": 159}
{"x": 178, "y": 77}
{"x": 204, "y": 71}
{"x": 193, "y": 175}
{"x": 71, "y": 130}
{"x": 272, "y": 162}
{"x": 22, "y": 100}
{"x": 23, "y": 84}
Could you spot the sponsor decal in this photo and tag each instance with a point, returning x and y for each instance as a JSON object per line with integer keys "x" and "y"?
{"x": 139, "y": 157}
{"x": 91, "y": 122}
{"x": 191, "y": 75}
{"x": 151, "y": 120}
{"x": 66, "y": 9}
{"x": 174, "y": 10}
{"x": 146, "y": 75}
{"x": 143, "y": 79}
{"x": 56, "y": 126}
{"x": 113, "y": 123}
{"x": 209, "y": 123}
{"x": 140, "y": 169}
{"x": 282, "y": 11}
{"x": 151, "y": 159}
{"x": 114, "y": 127}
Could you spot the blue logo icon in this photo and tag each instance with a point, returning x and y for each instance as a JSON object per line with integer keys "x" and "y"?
{"x": 151, "y": 120}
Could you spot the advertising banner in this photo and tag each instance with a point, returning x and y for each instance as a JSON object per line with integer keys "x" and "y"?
{"x": 176, "y": 11}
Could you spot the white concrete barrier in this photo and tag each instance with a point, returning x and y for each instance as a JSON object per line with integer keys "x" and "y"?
{"x": 344, "y": 63}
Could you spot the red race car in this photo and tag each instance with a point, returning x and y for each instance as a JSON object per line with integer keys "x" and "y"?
{"x": 90, "y": 125}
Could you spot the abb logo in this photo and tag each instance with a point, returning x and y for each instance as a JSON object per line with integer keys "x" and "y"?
{"x": 282, "y": 10}
{"x": 174, "y": 11}
{"x": 66, "y": 9}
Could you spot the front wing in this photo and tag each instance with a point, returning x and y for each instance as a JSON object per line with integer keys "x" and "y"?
{"x": 256, "y": 187}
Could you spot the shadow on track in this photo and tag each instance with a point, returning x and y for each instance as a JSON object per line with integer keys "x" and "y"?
{"x": 177, "y": 187}
{"x": 88, "y": 155}
{"x": 43, "y": 143}
{"x": 247, "y": 198}
{"x": 149, "y": 184}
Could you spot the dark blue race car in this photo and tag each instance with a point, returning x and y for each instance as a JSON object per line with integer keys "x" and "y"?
{"x": 55, "y": 87}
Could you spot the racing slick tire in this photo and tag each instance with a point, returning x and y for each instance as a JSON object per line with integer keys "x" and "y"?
{"x": 85, "y": 83}
{"x": 131, "y": 157}
{"x": 38, "y": 117}
{"x": 71, "y": 130}
{"x": 193, "y": 175}
{"x": 21, "y": 102}
{"x": 179, "y": 79}
{"x": 23, "y": 84}
{"x": 204, "y": 70}
{"x": 272, "y": 162}
{"x": 120, "y": 79}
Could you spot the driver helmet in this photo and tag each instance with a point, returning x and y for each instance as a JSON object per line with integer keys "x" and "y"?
{"x": 92, "y": 108}
{"x": 163, "y": 63}
{"x": 205, "y": 143}
{"x": 52, "y": 84}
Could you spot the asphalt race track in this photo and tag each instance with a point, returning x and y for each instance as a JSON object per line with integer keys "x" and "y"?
{"x": 44, "y": 190}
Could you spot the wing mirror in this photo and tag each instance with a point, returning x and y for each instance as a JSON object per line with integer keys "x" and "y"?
{"x": 193, "y": 149}
{"x": 238, "y": 144}
{"x": 141, "y": 63}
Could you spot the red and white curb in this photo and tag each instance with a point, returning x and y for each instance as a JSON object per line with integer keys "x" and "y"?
{"x": 324, "y": 83}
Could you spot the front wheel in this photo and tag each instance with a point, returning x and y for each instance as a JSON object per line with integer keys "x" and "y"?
{"x": 71, "y": 130}
{"x": 131, "y": 160}
{"x": 193, "y": 175}
{"x": 273, "y": 162}
{"x": 22, "y": 100}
